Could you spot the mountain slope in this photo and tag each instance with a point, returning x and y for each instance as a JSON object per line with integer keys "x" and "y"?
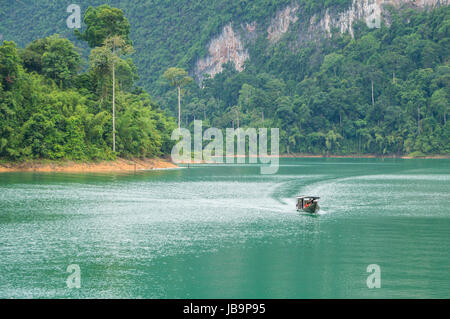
{"x": 179, "y": 32}
{"x": 164, "y": 33}
{"x": 336, "y": 76}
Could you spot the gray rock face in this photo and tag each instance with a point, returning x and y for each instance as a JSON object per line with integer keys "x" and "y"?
{"x": 223, "y": 49}
{"x": 229, "y": 45}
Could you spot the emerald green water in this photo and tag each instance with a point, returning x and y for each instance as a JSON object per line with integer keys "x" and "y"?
{"x": 229, "y": 232}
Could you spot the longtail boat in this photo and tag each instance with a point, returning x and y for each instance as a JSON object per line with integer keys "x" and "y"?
{"x": 308, "y": 204}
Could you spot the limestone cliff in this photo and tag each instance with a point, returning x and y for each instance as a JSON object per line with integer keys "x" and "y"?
{"x": 222, "y": 49}
{"x": 281, "y": 23}
{"x": 229, "y": 45}
{"x": 370, "y": 11}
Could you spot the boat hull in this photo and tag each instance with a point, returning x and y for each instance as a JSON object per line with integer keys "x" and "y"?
{"x": 312, "y": 209}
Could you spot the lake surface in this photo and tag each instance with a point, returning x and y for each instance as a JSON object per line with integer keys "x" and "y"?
{"x": 229, "y": 232}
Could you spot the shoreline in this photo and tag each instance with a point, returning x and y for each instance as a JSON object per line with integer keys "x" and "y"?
{"x": 351, "y": 156}
{"x": 369, "y": 156}
{"x": 119, "y": 165}
{"x": 365, "y": 156}
{"x": 125, "y": 165}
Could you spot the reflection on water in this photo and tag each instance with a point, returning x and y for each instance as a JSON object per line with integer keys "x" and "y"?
{"x": 229, "y": 232}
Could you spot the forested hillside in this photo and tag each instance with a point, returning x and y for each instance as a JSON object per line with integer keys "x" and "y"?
{"x": 386, "y": 91}
{"x": 165, "y": 33}
{"x": 383, "y": 91}
{"x": 50, "y": 109}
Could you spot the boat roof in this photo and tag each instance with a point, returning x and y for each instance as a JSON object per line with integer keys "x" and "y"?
{"x": 309, "y": 197}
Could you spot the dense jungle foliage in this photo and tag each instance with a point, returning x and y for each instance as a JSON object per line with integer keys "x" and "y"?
{"x": 50, "y": 110}
{"x": 164, "y": 33}
{"x": 385, "y": 91}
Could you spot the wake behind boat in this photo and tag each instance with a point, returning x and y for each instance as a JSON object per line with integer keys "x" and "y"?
{"x": 308, "y": 204}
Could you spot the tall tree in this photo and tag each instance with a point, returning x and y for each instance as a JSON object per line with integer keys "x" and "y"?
{"x": 178, "y": 78}
{"x": 104, "y": 59}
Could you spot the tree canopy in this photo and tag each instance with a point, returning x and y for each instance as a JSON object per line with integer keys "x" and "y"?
{"x": 383, "y": 91}
{"x": 41, "y": 119}
{"x": 104, "y": 22}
